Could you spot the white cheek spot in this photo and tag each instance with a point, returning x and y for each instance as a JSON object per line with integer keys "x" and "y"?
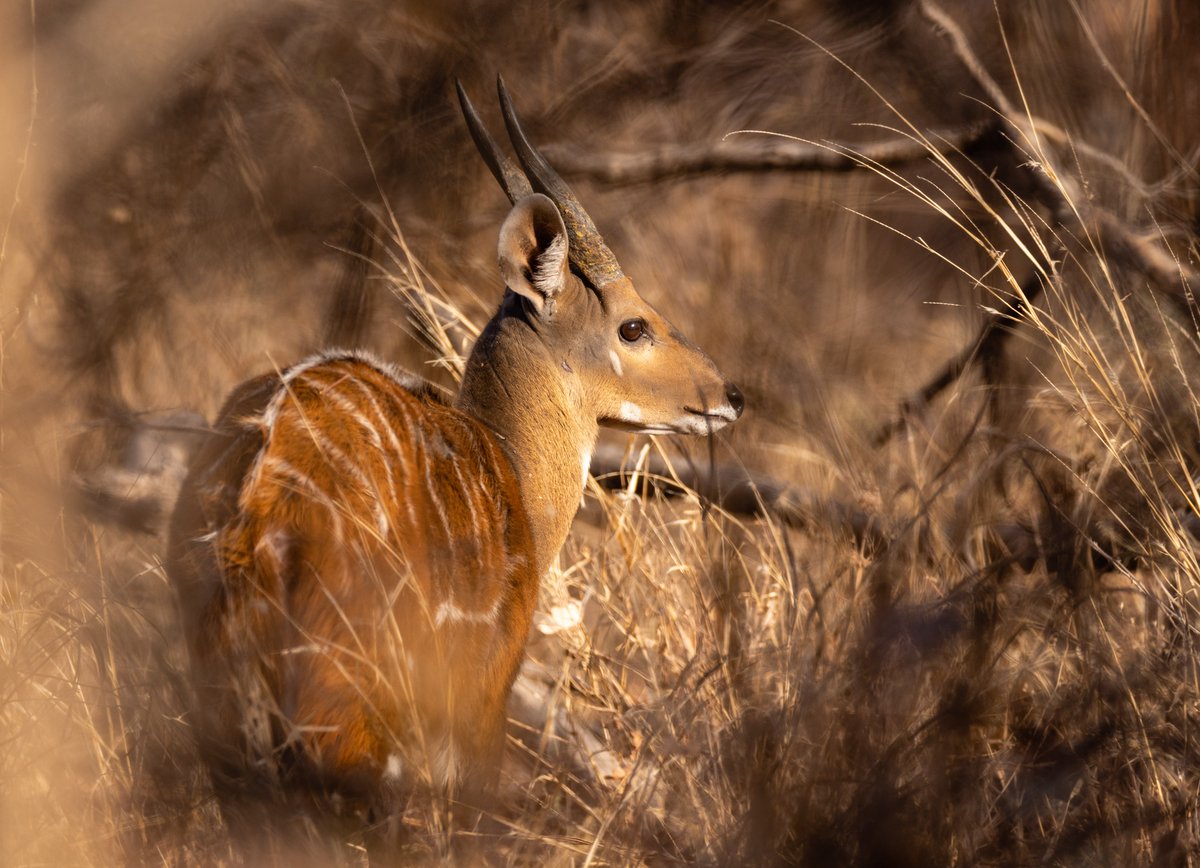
{"x": 616, "y": 363}
{"x": 631, "y": 413}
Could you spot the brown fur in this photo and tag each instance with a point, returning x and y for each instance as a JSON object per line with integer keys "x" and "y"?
{"x": 301, "y": 605}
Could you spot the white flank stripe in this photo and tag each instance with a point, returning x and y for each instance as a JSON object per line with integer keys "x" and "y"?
{"x": 302, "y": 484}
{"x": 449, "y": 611}
{"x": 396, "y": 449}
{"x": 351, "y": 410}
{"x": 349, "y": 468}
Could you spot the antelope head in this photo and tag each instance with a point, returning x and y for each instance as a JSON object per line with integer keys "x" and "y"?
{"x": 633, "y": 369}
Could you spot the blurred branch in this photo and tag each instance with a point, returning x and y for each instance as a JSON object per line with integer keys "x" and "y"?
{"x": 1095, "y": 230}
{"x": 985, "y": 349}
{"x": 736, "y": 490}
{"x": 349, "y": 309}
{"x": 776, "y": 154}
{"x": 1055, "y": 189}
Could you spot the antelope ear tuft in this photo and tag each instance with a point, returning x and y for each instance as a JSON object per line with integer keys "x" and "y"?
{"x": 533, "y": 252}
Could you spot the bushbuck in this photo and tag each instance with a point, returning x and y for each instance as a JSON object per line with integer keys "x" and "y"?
{"x": 357, "y": 558}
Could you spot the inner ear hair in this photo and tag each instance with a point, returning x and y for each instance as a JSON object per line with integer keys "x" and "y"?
{"x": 533, "y": 251}
{"x": 550, "y": 267}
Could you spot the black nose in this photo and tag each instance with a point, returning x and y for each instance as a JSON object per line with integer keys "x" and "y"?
{"x": 736, "y": 401}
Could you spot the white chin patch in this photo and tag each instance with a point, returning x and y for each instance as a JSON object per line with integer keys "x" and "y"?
{"x": 631, "y": 418}
{"x": 630, "y": 413}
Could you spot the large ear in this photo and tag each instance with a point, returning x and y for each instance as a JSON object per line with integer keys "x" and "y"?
{"x": 533, "y": 252}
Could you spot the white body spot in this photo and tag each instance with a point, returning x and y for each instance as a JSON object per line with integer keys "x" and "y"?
{"x": 394, "y": 769}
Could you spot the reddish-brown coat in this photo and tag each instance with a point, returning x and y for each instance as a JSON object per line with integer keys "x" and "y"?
{"x": 357, "y": 580}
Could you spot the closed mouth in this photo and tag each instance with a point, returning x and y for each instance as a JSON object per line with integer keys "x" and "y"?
{"x": 693, "y": 421}
{"x": 707, "y": 421}
{"x": 724, "y": 415}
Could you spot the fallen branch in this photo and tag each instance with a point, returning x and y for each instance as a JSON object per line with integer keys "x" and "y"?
{"x": 737, "y": 491}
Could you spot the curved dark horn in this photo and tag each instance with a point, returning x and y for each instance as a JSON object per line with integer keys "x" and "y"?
{"x": 588, "y": 252}
{"x": 511, "y": 178}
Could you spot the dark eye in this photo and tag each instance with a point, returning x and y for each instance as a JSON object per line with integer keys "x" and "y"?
{"x": 632, "y": 330}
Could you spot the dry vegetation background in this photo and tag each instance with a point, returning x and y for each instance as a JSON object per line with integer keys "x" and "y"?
{"x": 972, "y": 643}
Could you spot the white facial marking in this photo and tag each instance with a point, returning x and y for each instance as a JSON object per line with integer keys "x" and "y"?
{"x": 716, "y": 419}
{"x": 630, "y": 413}
{"x": 616, "y": 363}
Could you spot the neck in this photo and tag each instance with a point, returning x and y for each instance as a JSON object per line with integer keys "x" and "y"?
{"x": 515, "y": 386}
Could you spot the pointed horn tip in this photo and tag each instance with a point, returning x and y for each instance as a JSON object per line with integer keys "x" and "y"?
{"x": 464, "y": 101}
{"x": 510, "y": 177}
{"x": 506, "y": 104}
{"x": 529, "y": 156}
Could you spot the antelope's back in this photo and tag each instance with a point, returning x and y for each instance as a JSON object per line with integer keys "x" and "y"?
{"x": 351, "y": 558}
